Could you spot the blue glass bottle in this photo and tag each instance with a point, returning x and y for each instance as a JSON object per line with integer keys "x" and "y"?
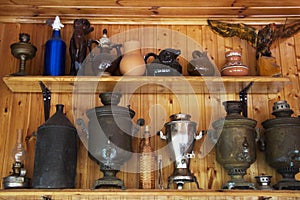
{"x": 55, "y": 52}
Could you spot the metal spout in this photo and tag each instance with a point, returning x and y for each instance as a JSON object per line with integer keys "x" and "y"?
{"x": 294, "y": 156}
{"x": 244, "y": 155}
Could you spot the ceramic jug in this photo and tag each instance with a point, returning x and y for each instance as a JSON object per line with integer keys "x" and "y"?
{"x": 164, "y": 64}
{"x": 132, "y": 63}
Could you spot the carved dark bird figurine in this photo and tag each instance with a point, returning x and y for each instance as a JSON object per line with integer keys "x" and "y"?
{"x": 79, "y": 44}
{"x": 261, "y": 39}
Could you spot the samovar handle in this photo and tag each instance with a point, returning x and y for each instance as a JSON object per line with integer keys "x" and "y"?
{"x": 80, "y": 123}
{"x": 261, "y": 141}
{"x": 162, "y": 135}
{"x": 199, "y": 135}
{"x": 212, "y": 135}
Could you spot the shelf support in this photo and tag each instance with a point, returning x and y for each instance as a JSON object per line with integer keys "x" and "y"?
{"x": 47, "y": 99}
{"x": 244, "y": 99}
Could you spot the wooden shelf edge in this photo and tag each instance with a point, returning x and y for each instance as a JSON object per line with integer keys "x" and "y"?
{"x": 148, "y": 193}
{"x": 146, "y": 84}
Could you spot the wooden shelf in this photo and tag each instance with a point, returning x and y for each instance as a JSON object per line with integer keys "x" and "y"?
{"x": 23, "y": 194}
{"x": 146, "y": 84}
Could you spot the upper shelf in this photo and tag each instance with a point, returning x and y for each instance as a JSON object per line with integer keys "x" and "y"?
{"x": 146, "y": 84}
{"x": 153, "y": 12}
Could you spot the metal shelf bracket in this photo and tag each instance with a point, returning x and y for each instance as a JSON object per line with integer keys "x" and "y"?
{"x": 244, "y": 99}
{"x": 47, "y": 99}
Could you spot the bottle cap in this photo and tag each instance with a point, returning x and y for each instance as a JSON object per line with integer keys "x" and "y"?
{"x": 56, "y": 24}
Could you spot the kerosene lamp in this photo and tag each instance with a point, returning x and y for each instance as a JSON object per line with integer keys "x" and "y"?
{"x": 23, "y": 50}
{"x": 18, "y": 178}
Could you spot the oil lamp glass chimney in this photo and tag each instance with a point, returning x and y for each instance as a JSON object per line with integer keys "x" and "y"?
{"x": 18, "y": 178}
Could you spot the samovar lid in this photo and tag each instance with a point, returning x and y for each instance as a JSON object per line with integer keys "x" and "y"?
{"x": 180, "y": 116}
{"x": 282, "y": 109}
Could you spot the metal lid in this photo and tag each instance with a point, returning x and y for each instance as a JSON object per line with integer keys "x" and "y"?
{"x": 180, "y": 116}
{"x": 282, "y": 109}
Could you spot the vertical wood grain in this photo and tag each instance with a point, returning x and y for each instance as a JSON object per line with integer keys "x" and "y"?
{"x": 22, "y": 110}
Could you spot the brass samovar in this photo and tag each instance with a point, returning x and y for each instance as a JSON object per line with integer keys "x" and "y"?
{"x": 235, "y": 144}
{"x": 281, "y": 142}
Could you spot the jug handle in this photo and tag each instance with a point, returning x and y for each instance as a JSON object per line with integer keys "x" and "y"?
{"x": 149, "y": 55}
{"x": 118, "y": 49}
{"x": 196, "y": 54}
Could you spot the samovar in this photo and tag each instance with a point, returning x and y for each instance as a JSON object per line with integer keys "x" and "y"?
{"x": 110, "y": 132}
{"x": 235, "y": 144}
{"x": 281, "y": 142}
{"x": 180, "y": 136}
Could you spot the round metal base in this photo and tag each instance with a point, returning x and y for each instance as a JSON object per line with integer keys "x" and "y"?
{"x": 14, "y": 182}
{"x": 180, "y": 180}
{"x": 241, "y": 185}
{"x": 287, "y": 185}
{"x": 111, "y": 182}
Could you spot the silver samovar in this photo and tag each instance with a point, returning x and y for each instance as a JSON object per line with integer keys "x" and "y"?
{"x": 235, "y": 144}
{"x": 281, "y": 141}
{"x": 180, "y": 136}
{"x": 110, "y": 133}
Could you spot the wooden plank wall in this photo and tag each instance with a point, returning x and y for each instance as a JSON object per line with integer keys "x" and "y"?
{"x": 25, "y": 111}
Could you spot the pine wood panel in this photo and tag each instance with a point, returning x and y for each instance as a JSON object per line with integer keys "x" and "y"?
{"x": 38, "y": 11}
{"x": 22, "y": 110}
{"x": 150, "y": 194}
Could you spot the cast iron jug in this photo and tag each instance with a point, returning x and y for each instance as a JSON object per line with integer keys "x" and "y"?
{"x": 56, "y": 153}
{"x": 164, "y": 64}
{"x": 200, "y": 65}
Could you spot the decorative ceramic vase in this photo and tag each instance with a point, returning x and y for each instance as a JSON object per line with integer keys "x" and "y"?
{"x": 235, "y": 148}
{"x": 234, "y": 66}
{"x": 132, "y": 63}
{"x": 281, "y": 142}
{"x": 200, "y": 65}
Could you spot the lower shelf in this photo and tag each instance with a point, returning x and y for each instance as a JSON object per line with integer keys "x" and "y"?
{"x": 87, "y": 194}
